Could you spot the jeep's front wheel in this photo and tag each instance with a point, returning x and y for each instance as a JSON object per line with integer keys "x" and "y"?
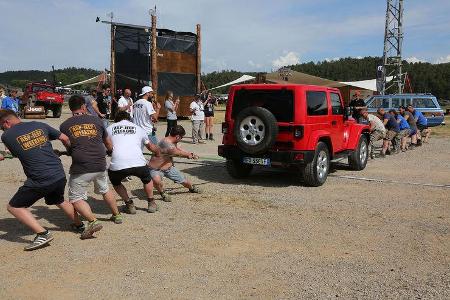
{"x": 358, "y": 159}
{"x": 315, "y": 173}
{"x": 237, "y": 169}
{"x": 57, "y": 110}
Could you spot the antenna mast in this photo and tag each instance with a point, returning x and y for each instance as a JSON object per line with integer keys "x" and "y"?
{"x": 392, "y": 54}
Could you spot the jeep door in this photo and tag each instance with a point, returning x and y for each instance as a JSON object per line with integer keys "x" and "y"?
{"x": 337, "y": 129}
{"x": 317, "y": 123}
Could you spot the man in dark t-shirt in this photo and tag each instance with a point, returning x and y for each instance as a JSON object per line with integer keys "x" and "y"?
{"x": 392, "y": 135}
{"x": 357, "y": 104}
{"x": 30, "y": 143}
{"x": 88, "y": 139}
{"x": 103, "y": 104}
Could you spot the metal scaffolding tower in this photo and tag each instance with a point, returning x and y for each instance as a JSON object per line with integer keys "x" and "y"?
{"x": 392, "y": 54}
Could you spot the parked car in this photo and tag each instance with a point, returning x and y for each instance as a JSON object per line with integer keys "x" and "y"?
{"x": 290, "y": 125}
{"x": 427, "y": 104}
{"x": 45, "y": 95}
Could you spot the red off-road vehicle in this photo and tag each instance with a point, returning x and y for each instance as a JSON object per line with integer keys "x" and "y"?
{"x": 290, "y": 125}
{"x": 43, "y": 94}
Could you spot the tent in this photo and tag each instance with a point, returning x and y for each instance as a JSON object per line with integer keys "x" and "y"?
{"x": 241, "y": 79}
{"x": 96, "y": 79}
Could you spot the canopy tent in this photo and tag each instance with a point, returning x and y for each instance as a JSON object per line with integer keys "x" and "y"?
{"x": 370, "y": 84}
{"x": 241, "y": 79}
{"x": 96, "y": 79}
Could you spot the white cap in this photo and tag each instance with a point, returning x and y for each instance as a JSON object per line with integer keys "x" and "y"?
{"x": 146, "y": 89}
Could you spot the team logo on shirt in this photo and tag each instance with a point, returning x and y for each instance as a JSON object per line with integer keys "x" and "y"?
{"x": 121, "y": 129}
{"x": 33, "y": 139}
{"x": 86, "y": 130}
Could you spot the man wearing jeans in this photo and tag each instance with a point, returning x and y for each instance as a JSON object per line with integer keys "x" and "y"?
{"x": 198, "y": 119}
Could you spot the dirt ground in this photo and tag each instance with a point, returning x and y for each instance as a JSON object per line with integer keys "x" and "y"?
{"x": 265, "y": 237}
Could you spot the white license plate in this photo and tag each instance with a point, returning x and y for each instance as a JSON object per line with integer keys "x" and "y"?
{"x": 256, "y": 161}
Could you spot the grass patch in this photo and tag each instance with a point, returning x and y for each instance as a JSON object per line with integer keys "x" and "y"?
{"x": 443, "y": 130}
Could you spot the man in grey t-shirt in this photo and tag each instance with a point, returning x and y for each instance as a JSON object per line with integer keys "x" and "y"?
{"x": 171, "y": 108}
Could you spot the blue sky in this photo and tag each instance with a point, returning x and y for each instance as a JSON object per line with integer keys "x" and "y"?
{"x": 240, "y": 35}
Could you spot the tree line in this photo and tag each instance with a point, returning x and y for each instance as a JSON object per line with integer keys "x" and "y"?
{"x": 424, "y": 77}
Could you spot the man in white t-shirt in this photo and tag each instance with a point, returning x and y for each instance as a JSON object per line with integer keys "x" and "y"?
{"x": 198, "y": 119}
{"x": 377, "y": 129}
{"x": 125, "y": 102}
{"x": 127, "y": 159}
{"x": 144, "y": 114}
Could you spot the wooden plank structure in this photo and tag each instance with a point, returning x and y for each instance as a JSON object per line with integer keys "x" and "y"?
{"x": 173, "y": 61}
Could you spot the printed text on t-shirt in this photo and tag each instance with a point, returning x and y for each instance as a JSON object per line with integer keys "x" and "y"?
{"x": 31, "y": 140}
{"x": 87, "y": 130}
{"x": 121, "y": 129}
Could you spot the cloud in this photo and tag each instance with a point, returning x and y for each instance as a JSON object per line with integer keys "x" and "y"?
{"x": 332, "y": 59}
{"x": 414, "y": 60}
{"x": 291, "y": 58}
{"x": 255, "y": 65}
{"x": 443, "y": 60}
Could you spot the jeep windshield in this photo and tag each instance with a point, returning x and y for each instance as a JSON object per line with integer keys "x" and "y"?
{"x": 279, "y": 102}
{"x": 40, "y": 88}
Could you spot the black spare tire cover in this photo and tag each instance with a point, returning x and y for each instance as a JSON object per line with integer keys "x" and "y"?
{"x": 255, "y": 130}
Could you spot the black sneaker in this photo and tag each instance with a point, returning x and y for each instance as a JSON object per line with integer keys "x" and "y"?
{"x": 77, "y": 228}
{"x": 39, "y": 241}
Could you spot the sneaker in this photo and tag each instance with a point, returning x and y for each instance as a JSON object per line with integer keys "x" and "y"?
{"x": 412, "y": 146}
{"x": 39, "y": 241}
{"x": 195, "y": 189}
{"x": 152, "y": 206}
{"x": 419, "y": 143}
{"x": 117, "y": 219}
{"x": 77, "y": 228}
{"x": 388, "y": 152}
{"x": 91, "y": 228}
{"x": 129, "y": 208}
{"x": 372, "y": 155}
{"x": 382, "y": 155}
{"x": 127, "y": 179}
{"x": 166, "y": 197}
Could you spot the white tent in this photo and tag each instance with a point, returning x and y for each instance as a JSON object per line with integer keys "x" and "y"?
{"x": 241, "y": 79}
{"x": 370, "y": 84}
{"x": 95, "y": 79}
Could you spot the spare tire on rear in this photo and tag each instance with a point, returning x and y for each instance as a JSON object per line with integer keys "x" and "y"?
{"x": 255, "y": 130}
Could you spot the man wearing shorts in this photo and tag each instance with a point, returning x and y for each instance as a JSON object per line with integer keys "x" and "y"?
{"x": 162, "y": 166}
{"x": 392, "y": 134}
{"x": 404, "y": 128}
{"x": 88, "y": 139}
{"x": 422, "y": 125}
{"x": 377, "y": 129}
{"x": 412, "y": 125}
{"x": 30, "y": 143}
{"x": 127, "y": 159}
{"x": 145, "y": 114}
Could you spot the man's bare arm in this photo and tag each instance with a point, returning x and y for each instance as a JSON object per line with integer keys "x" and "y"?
{"x": 108, "y": 143}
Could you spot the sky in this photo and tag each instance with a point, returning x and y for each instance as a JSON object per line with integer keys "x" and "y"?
{"x": 236, "y": 35}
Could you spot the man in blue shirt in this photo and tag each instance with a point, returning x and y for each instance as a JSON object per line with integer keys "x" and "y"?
{"x": 11, "y": 102}
{"x": 392, "y": 134}
{"x": 403, "y": 126}
{"x": 422, "y": 125}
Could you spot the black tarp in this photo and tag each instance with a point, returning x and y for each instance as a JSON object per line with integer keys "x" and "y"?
{"x": 180, "y": 84}
{"x": 132, "y": 57}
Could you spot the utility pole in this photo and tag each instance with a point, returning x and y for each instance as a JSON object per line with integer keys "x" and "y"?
{"x": 392, "y": 53}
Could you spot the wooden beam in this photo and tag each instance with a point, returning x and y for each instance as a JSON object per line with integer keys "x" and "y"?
{"x": 154, "y": 53}
{"x": 113, "y": 62}
{"x": 199, "y": 59}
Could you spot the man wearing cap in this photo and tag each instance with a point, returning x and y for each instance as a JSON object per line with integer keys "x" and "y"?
{"x": 144, "y": 114}
{"x": 357, "y": 104}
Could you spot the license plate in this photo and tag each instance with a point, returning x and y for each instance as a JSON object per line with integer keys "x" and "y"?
{"x": 256, "y": 161}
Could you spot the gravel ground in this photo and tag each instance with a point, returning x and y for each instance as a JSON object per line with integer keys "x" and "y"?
{"x": 263, "y": 237}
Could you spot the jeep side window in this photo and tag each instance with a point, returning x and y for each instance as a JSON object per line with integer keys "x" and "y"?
{"x": 317, "y": 103}
{"x": 385, "y": 103}
{"x": 376, "y": 102}
{"x": 395, "y": 102}
{"x": 336, "y": 106}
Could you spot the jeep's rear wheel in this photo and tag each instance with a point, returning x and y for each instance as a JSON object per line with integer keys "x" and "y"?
{"x": 315, "y": 173}
{"x": 255, "y": 130}
{"x": 358, "y": 159}
{"x": 57, "y": 111}
{"x": 237, "y": 169}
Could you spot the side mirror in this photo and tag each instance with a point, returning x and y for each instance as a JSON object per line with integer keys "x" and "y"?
{"x": 347, "y": 112}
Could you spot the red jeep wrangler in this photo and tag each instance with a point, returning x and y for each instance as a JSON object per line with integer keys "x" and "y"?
{"x": 43, "y": 94}
{"x": 286, "y": 125}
